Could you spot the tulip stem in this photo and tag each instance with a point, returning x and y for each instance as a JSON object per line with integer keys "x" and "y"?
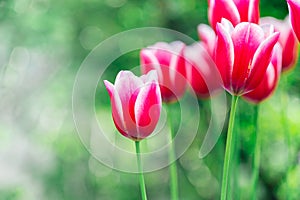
{"x": 256, "y": 156}
{"x": 140, "y": 168}
{"x": 229, "y": 149}
{"x": 172, "y": 158}
{"x": 285, "y": 124}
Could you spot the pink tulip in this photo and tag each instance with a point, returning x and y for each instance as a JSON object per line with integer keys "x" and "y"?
{"x": 136, "y": 103}
{"x": 201, "y": 71}
{"x": 270, "y": 80}
{"x": 169, "y": 62}
{"x": 294, "y": 9}
{"x": 208, "y": 37}
{"x": 242, "y": 54}
{"x": 235, "y": 11}
{"x": 287, "y": 40}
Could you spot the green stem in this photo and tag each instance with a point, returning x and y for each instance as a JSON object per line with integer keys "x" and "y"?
{"x": 233, "y": 192}
{"x": 284, "y": 121}
{"x": 140, "y": 168}
{"x": 172, "y": 157}
{"x": 228, "y": 149}
{"x": 256, "y": 156}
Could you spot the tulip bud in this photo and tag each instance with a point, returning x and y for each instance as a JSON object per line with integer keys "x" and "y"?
{"x": 136, "y": 103}
{"x": 169, "y": 62}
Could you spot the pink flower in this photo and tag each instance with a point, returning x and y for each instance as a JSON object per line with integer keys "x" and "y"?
{"x": 201, "y": 71}
{"x": 287, "y": 40}
{"x": 136, "y": 103}
{"x": 270, "y": 80}
{"x": 169, "y": 62}
{"x": 294, "y": 9}
{"x": 242, "y": 54}
{"x": 235, "y": 11}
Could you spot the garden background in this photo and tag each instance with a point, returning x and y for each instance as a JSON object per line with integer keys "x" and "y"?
{"x": 43, "y": 44}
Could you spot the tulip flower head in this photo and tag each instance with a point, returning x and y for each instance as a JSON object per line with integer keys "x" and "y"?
{"x": 270, "y": 80}
{"x": 136, "y": 103}
{"x": 235, "y": 11}
{"x": 294, "y": 10}
{"x": 242, "y": 54}
{"x": 201, "y": 70}
{"x": 168, "y": 61}
{"x": 287, "y": 40}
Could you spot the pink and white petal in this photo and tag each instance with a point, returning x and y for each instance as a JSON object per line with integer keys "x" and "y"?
{"x": 147, "y": 59}
{"x": 149, "y": 77}
{"x": 117, "y": 113}
{"x": 276, "y": 58}
{"x": 246, "y": 38}
{"x": 290, "y": 52}
{"x": 219, "y": 9}
{"x": 227, "y": 25}
{"x": 268, "y": 29}
{"x": 126, "y": 83}
{"x": 270, "y": 80}
{"x": 206, "y": 33}
{"x": 109, "y": 87}
{"x": 150, "y": 62}
{"x": 265, "y": 88}
{"x": 147, "y": 109}
{"x": 224, "y": 55}
{"x": 290, "y": 46}
{"x": 208, "y": 37}
{"x": 248, "y": 9}
{"x": 243, "y": 8}
{"x": 176, "y": 47}
{"x": 253, "y": 13}
{"x": 261, "y": 60}
{"x": 294, "y": 10}
{"x": 177, "y": 73}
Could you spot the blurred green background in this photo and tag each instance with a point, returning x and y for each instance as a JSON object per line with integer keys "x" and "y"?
{"x": 42, "y": 45}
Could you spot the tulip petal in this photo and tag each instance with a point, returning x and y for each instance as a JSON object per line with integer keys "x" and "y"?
{"x": 202, "y": 72}
{"x": 248, "y": 9}
{"x": 261, "y": 61}
{"x": 270, "y": 80}
{"x": 109, "y": 87}
{"x": 117, "y": 110}
{"x": 150, "y": 76}
{"x": 290, "y": 51}
{"x": 126, "y": 85}
{"x": 167, "y": 59}
{"x": 147, "y": 109}
{"x": 219, "y": 9}
{"x": 227, "y": 25}
{"x": 177, "y": 63}
{"x": 149, "y": 61}
{"x": 287, "y": 40}
{"x": 224, "y": 54}
{"x": 294, "y": 10}
{"x": 253, "y": 12}
{"x": 208, "y": 37}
